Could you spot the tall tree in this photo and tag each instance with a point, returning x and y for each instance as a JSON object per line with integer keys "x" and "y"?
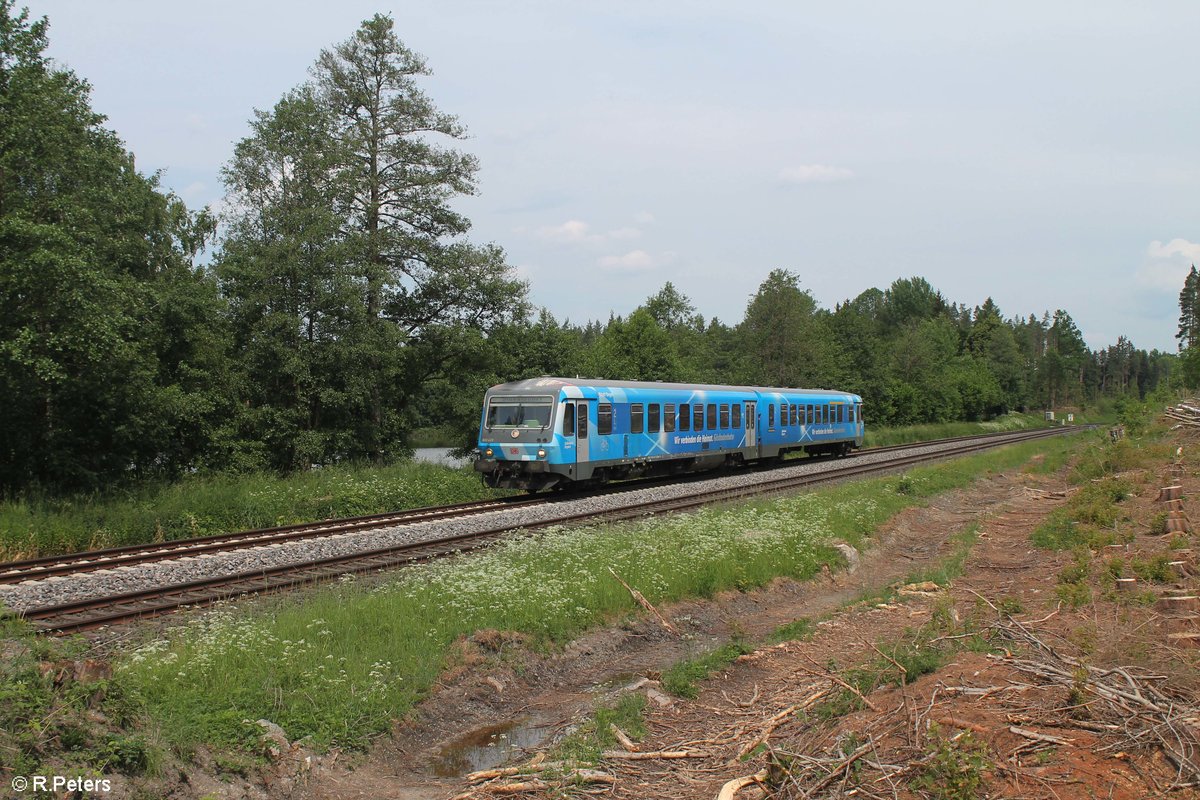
{"x": 637, "y": 349}
{"x": 372, "y": 245}
{"x": 294, "y": 293}
{"x": 1189, "y": 311}
{"x": 110, "y": 356}
{"x": 782, "y": 331}
{"x": 993, "y": 341}
{"x": 399, "y": 183}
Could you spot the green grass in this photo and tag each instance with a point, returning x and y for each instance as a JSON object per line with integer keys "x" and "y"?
{"x": 884, "y": 437}
{"x": 1094, "y": 515}
{"x": 595, "y": 735}
{"x": 681, "y": 679}
{"x": 342, "y": 663}
{"x": 202, "y": 506}
{"x": 56, "y": 720}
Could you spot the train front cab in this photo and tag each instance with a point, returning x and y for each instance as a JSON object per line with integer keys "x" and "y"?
{"x": 536, "y": 439}
{"x": 516, "y": 438}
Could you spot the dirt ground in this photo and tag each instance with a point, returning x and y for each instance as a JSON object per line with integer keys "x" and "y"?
{"x": 1027, "y": 713}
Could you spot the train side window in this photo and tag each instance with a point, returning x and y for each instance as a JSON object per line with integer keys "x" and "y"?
{"x": 841, "y": 414}
{"x": 795, "y": 414}
{"x": 652, "y": 424}
{"x": 636, "y": 414}
{"x": 737, "y": 416}
{"x": 771, "y": 416}
{"x": 698, "y": 417}
{"x": 583, "y": 421}
{"x": 568, "y": 419}
{"x": 604, "y": 419}
{"x": 724, "y": 416}
{"x": 712, "y": 416}
{"x": 808, "y": 414}
{"x": 685, "y": 417}
{"x": 669, "y": 418}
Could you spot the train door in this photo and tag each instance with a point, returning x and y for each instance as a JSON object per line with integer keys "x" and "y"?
{"x": 576, "y": 434}
{"x": 583, "y": 431}
{"x": 751, "y": 425}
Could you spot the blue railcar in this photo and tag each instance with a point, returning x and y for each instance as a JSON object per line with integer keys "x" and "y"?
{"x": 554, "y": 432}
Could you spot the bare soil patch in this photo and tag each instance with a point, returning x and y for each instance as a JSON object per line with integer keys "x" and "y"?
{"x": 1093, "y": 702}
{"x": 500, "y": 691}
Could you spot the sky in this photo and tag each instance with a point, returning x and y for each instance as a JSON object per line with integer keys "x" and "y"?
{"x": 1044, "y": 154}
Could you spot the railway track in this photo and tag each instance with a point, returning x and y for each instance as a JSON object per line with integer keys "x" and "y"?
{"x": 117, "y": 608}
{"x": 13, "y": 572}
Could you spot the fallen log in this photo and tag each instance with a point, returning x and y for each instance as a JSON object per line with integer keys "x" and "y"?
{"x": 640, "y": 599}
{"x": 731, "y": 788}
{"x": 656, "y": 754}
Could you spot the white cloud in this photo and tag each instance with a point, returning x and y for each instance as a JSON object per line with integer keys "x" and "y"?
{"x": 573, "y": 231}
{"x": 814, "y": 173}
{"x": 634, "y": 261}
{"x": 624, "y": 233}
{"x": 1166, "y": 265}
{"x": 644, "y": 218}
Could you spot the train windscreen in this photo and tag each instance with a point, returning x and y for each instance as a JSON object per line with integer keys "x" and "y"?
{"x": 519, "y": 412}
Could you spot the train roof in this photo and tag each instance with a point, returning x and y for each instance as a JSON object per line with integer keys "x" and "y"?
{"x": 551, "y": 383}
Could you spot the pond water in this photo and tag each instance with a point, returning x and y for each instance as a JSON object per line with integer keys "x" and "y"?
{"x": 438, "y": 455}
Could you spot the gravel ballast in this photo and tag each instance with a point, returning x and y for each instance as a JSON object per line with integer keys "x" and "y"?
{"x": 56, "y": 590}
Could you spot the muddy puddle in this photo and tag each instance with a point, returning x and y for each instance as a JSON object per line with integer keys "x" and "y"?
{"x": 484, "y": 748}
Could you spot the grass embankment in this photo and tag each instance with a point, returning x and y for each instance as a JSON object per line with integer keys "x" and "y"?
{"x": 202, "y": 506}
{"x": 341, "y": 664}
{"x": 58, "y": 708}
{"x": 885, "y": 437}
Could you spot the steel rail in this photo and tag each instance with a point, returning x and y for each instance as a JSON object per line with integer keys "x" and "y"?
{"x": 113, "y": 609}
{"x": 33, "y": 569}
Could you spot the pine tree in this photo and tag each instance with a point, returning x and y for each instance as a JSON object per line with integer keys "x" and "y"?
{"x": 1189, "y": 311}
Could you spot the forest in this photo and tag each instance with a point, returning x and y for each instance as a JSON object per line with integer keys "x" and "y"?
{"x": 338, "y": 304}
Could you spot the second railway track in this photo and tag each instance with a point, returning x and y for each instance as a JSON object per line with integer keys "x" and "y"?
{"x": 114, "y": 608}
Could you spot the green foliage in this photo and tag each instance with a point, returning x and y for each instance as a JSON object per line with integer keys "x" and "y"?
{"x": 785, "y": 335}
{"x": 50, "y": 720}
{"x": 1093, "y": 514}
{"x": 1072, "y": 587}
{"x": 112, "y": 357}
{"x": 797, "y": 630}
{"x": 351, "y": 288}
{"x": 1155, "y": 569}
{"x": 955, "y": 768}
{"x": 202, "y": 506}
{"x": 637, "y": 349}
{"x": 681, "y": 678}
{"x": 1011, "y": 606}
{"x": 594, "y": 735}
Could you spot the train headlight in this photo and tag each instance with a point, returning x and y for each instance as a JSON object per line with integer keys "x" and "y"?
{"x": 488, "y": 452}
{"x": 541, "y": 452}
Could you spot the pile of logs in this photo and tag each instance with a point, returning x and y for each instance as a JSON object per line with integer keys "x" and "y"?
{"x": 1186, "y": 414}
